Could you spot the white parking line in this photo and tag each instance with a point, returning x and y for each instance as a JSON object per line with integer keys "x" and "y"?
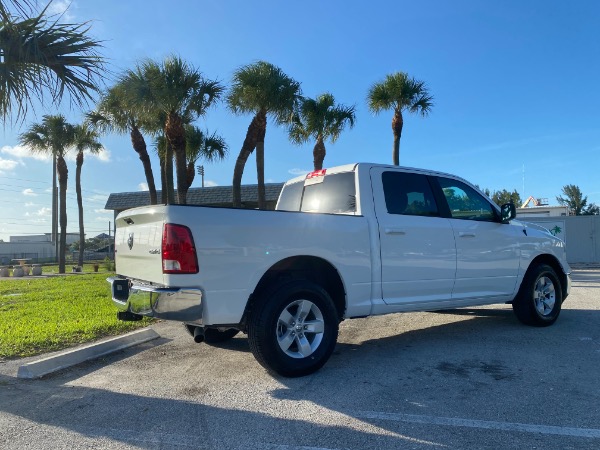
{"x": 593, "y": 433}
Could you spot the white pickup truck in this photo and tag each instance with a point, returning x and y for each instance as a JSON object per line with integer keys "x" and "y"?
{"x": 346, "y": 242}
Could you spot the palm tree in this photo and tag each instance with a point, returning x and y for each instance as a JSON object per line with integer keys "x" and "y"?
{"x": 116, "y": 112}
{"x": 179, "y": 93}
{"x": 200, "y": 144}
{"x": 54, "y": 136}
{"x": 85, "y": 139}
{"x": 261, "y": 89}
{"x": 400, "y": 93}
{"x": 321, "y": 119}
{"x": 38, "y": 56}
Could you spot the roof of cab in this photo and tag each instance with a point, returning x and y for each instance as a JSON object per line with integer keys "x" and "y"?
{"x": 368, "y": 166}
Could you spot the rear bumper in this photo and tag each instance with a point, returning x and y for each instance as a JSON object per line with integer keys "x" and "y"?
{"x": 180, "y": 304}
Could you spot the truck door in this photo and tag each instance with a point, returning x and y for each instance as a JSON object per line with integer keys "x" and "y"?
{"x": 488, "y": 251}
{"x": 418, "y": 253}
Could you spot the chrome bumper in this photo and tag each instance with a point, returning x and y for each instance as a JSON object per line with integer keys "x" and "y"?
{"x": 180, "y": 304}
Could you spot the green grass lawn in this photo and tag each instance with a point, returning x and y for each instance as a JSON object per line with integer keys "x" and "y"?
{"x": 38, "y": 315}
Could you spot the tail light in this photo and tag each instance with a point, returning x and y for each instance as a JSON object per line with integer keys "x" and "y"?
{"x": 178, "y": 250}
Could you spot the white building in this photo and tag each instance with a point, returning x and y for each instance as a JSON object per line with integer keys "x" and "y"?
{"x": 37, "y": 247}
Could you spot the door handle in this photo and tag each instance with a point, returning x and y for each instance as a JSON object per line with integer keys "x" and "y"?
{"x": 395, "y": 231}
{"x": 466, "y": 234}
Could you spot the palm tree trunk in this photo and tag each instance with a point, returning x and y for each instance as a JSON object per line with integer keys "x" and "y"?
{"x": 260, "y": 161}
{"x": 397, "y": 123}
{"x": 247, "y": 148}
{"x": 63, "y": 174}
{"x": 191, "y": 174}
{"x": 175, "y": 134}
{"x": 319, "y": 153}
{"x": 169, "y": 175}
{"x": 80, "y": 207}
{"x": 139, "y": 145}
{"x": 163, "y": 180}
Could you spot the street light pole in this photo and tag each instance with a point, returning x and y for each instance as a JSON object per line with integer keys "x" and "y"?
{"x": 201, "y": 173}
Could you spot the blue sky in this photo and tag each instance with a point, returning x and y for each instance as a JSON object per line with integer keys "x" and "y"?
{"x": 515, "y": 86}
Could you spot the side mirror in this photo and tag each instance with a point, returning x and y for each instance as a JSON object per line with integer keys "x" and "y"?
{"x": 508, "y": 212}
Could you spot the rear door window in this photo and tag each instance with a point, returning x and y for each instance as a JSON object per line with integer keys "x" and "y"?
{"x": 408, "y": 194}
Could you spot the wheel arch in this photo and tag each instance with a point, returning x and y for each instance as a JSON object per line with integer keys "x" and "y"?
{"x": 553, "y": 262}
{"x": 312, "y": 268}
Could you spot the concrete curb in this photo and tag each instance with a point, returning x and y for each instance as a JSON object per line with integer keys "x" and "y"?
{"x": 70, "y": 358}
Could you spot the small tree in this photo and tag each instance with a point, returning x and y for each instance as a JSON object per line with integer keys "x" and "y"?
{"x": 504, "y": 196}
{"x": 263, "y": 90}
{"x": 400, "y": 93}
{"x": 322, "y": 119}
{"x": 576, "y": 201}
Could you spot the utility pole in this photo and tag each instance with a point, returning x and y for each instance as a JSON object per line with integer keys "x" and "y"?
{"x": 201, "y": 173}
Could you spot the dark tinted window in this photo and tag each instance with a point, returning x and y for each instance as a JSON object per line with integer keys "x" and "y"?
{"x": 336, "y": 194}
{"x": 408, "y": 194}
{"x": 465, "y": 202}
{"x": 290, "y": 197}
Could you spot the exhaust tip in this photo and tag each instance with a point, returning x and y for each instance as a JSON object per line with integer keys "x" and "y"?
{"x": 198, "y": 335}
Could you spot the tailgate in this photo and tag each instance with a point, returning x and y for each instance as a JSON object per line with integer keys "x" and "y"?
{"x": 138, "y": 240}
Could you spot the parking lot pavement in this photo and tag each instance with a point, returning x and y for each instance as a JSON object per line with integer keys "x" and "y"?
{"x": 469, "y": 378}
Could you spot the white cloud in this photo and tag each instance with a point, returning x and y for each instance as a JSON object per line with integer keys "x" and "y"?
{"x": 209, "y": 183}
{"x": 103, "y": 211}
{"x": 143, "y": 187}
{"x": 29, "y": 192}
{"x": 103, "y": 156}
{"x": 8, "y": 164}
{"x": 62, "y": 8}
{"x": 29, "y": 204}
{"x": 297, "y": 171}
{"x": 20, "y": 151}
{"x": 44, "y": 212}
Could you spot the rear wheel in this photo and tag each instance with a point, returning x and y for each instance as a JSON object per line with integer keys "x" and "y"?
{"x": 293, "y": 328}
{"x": 539, "y": 300}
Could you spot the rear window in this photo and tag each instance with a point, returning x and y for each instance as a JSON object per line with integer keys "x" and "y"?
{"x": 290, "y": 197}
{"x": 336, "y": 194}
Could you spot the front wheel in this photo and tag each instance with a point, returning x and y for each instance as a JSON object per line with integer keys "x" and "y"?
{"x": 293, "y": 328}
{"x": 539, "y": 300}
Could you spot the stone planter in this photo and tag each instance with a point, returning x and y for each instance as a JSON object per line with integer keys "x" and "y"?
{"x": 36, "y": 269}
{"x": 26, "y": 270}
{"x": 4, "y": 272}
{"x": 18, "y": 271}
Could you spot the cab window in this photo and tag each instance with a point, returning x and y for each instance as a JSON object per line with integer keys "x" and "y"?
{"x": 465, "y": 202}
{"x": 408, "y": 194}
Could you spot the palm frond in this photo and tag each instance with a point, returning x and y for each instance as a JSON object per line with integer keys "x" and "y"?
{"x": 39, "y": 56}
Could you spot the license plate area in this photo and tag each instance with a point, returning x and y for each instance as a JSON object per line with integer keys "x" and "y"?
{"x": 120, "y": 290}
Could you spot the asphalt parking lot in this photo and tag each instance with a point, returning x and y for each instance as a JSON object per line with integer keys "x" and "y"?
{"x": 470, "y": 378}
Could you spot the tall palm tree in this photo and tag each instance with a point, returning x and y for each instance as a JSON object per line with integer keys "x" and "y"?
{"x": 199, "y": 144}
{"x": 179, "y": 93}
{"x": 54, "y": 136}
{"x": 39, "y": 55}
{"x": 116, "y": 112}
{"x": 261, "y": 89}
{"x": 400, "y": 93}
{"x": 85, "y": 138}
{"x": 321, "y": 119}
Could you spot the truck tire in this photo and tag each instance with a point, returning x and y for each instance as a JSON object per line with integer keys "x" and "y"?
{"x": 539, "y": 299}
{"x": 293, "y": 328}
